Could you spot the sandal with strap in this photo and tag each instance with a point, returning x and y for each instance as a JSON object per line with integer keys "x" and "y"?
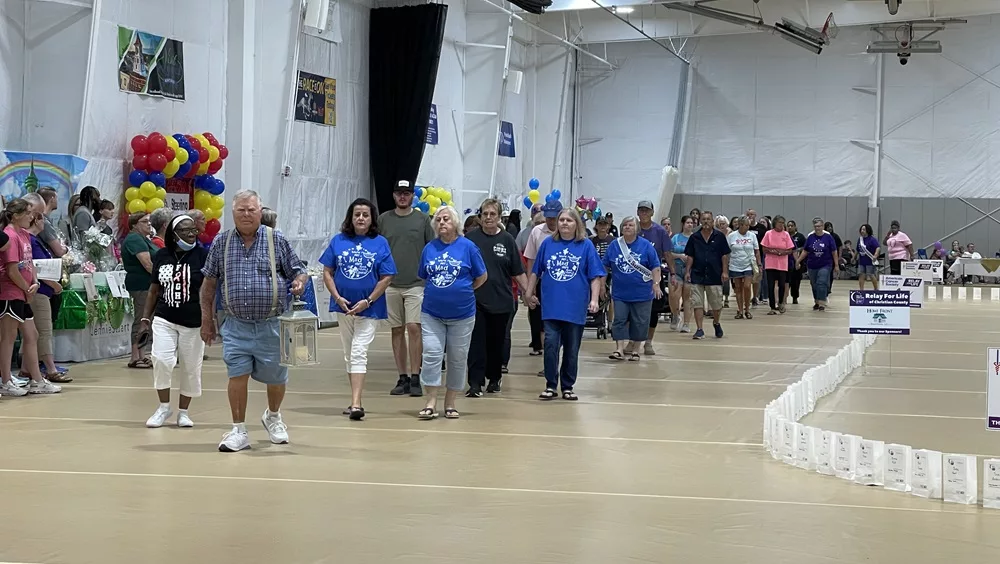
{"x": 773, "y": 312}
{"x": 142, "y": 363}
{"x": 427, "y": 414}
{"x": 451, "y": 413}
{"x": 568, "y": 395}
{"x": 356, "y": 413}
{"x": 617, "y": 355}
{"x": 748, "y": 315}
{"x": 633, "y": 357}
{"x": 739, "y": 315}
{"x": 548, "y": 394}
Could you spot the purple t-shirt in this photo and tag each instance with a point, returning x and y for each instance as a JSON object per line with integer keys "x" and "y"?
{"x": 658, "y": 236}
{"x": 870, "y": 243}
{"x": 819, "y": 251}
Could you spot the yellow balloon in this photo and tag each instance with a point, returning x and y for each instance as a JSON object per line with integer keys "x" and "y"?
{"x": 131, "y": 194}
{"x": 434, "y": 201}
{"x": 161, "y": 193}
{"x": 154, "y": 204}
{"x": 202, "y": 200}
{"x": 203, "y": 140}
{"x": 446, "y": 198}
{"x": 213, "y": 154}
{"x": 181, "y": 156}
{"x": 203, "y": 168}
{"x": 147, "y": 189}
{"x": 172, "y": 143}
{"x": 213, "y": 213}
{"x": 218, "y": 202}
{"x": 534, "y": 196}
{"x": 137, "y": 205}
{"x": 172, "y": 167}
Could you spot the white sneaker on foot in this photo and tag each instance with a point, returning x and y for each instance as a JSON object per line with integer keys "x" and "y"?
{"x": 159, "y": 417}
{"x": 13, "y": 390}
{"x": 18, "y": 381}
{"x": 276, "y": 428}
{"x": 183, "y": 419}
{"x": 685, "y": 328}
{"x": 43, "y": 387}
{"x": 234, "y": 441}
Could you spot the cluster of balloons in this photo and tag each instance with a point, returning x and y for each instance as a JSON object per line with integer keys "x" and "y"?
{"x": 157, "y": 157}
{"x": 430, "y": 198}
{"x": 211, "y": 205}
{"x": 534, "y": 195}
{"x": 588, "y": 208}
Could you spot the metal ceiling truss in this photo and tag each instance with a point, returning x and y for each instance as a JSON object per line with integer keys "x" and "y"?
{"x": 668, "y": 48}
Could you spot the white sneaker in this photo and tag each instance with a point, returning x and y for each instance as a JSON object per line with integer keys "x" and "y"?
{"x": 674, "y": 325}
{"x": 159, "y": 417}
{"x": 234, "y": 441}
{"x": 43, "y": 387}
{"x": 685, "y": 328}
{"x": 276, "y": 428}
{"x": 18, "y": 381}
{"x": 184, "y": 420}
{"x": 13, "y": 390}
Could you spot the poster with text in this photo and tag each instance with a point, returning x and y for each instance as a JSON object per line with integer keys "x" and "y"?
{"x": 432, "y": 126}
{"x": 316, "y": 99}
{"x": 992, "y": 389}
{"x": 150, "y": 64}
{"x": 506, "y": 146}
{"x": 879, "y": 312}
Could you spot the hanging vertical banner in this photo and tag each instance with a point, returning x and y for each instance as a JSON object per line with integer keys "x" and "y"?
{"x": 316, "y": 99}
{"x": 506, "y": 148}
{"x": 21, "y": 173}
{"x": 432, "y": 126}
{"x": 993, "y": 389}
{"x": 150, "y": 64}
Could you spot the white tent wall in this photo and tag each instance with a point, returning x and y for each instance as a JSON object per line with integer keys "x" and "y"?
{"x": 626, "y": 121}
{"x": 551, "y": 81}
{"x": 11, "y": 72}
{"x": 329, "y": 166}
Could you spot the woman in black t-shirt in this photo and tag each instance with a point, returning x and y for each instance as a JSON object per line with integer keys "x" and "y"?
{"x": 174, "y": 300}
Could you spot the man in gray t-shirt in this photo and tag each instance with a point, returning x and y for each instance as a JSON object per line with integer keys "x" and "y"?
{"x": 407, "y": 231}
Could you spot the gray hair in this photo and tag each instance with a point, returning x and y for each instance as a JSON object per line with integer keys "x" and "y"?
{"x": 33, "y": 199}
{"x": 159, "y": 219}
{"x": 820, "y": 221}
{"x": 244, "y": 194}
{"x": 627, "y": 219}
{"x": 269, "y": 217}
{"x": 456, "y": 222}
{"x": 196, "y": 214}
{"x": 722, "y": 218}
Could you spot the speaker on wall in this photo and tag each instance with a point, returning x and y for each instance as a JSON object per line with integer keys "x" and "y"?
{"x": 515, "y": 79}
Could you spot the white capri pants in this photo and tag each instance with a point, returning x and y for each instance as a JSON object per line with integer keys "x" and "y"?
{"x": 357, "y": 334}
{"x": 172, "y": 345}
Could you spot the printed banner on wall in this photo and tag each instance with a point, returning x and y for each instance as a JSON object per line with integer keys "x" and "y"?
{"x": 21, "y": 173}
{"x": 150, "y": 64}
{"x": 316, "y": 99}
{"x": 506, "y": 148}
{"x": 432, "y": 126}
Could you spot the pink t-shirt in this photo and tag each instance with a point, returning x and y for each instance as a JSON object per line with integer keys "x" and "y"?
{"x": 18, "y": 252}
{"x": 897, "y": 246}
{"x": 538, "y": 234}
{"x": 775, "y": 240}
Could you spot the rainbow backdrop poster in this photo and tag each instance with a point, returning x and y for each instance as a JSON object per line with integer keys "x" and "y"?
{"x": 21, "y": 173}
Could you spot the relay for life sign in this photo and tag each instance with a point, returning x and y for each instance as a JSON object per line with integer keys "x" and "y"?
{"x": 880, "y": 312}
{"x": 930, "y": 271}
{"x": 911, "y": 284}
{"x": 993, "y": 389}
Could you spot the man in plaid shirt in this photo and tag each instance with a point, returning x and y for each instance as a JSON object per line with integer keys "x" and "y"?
{"x": 253, "y": 295}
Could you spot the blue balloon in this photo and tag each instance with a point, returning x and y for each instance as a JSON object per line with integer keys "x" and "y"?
{"x": 179, "y": 137}
{"x": 557, "y": 194}
{"x": 158, "y": 178}
{"x": 219, "y": 186}
{"x": 183, "y": 170}
{"x": 192, "y": 156}
{"x": 418, "y": 192}
{"x": 550, "y": 197}
{"x": 534, "y": 184}
{"x": 137, "y": 177}
{"x": 527, "y": 202}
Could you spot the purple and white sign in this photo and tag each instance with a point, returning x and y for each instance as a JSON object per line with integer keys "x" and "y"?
{"x": 880, "y": 312}
{"x": 993, "y": 389}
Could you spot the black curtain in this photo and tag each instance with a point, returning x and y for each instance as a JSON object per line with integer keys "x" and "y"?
{"x": 402, "y": 69}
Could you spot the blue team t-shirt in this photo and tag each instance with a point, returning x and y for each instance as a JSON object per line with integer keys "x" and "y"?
{"x": 565, "y": 269}
{"x": 449, "y": 269}
{"x": 680, "y": 242}
{"x": 627, "y": 282}
{"x": 358, "y": 263}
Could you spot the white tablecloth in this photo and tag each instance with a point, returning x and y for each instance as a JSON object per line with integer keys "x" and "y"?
{"x": 971, "y": 267}
{"x": 93, "y": 343}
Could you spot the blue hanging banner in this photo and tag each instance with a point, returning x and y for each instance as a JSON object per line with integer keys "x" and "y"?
{"x": 432, "y": 126}
{"x": 506, "y": 148}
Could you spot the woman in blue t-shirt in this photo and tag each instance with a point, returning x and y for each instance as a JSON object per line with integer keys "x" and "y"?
{"x": 453, "y": 268}
{"x": 820, "y": 255}
{"x": 572, "y": 278}
{"x": 678, "y": 289}
{"x": 357, "y": 268}
{"x": 867, "y": 256}
{"x": 636, "y": 282}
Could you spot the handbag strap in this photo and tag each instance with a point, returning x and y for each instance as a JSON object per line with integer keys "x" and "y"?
{"x": 647, "y": 275}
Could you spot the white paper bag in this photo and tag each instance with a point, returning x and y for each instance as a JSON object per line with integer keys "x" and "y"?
{"x": 931, "y": 292}
{"x": 767, "y": 428}
{"x": 977, "y": 294}
{"x": 823, "y": 442}
{"x": 845, "y": 456}
{"x": 898, "y": 473}
{"x": 870, "y": 459}
{"x": 995, "y": 294}
{"x": 960, "y": 480}
{"x": 789, "y": 432}
{"x": 804, "y": 451}
{"x": 991, "y": 483}
{"x": 777, "y": 430}
{"x": 962, "y": 292}
{"x": 926, "y": 473}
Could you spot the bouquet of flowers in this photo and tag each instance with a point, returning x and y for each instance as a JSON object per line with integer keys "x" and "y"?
{"x": 96, "y": 245}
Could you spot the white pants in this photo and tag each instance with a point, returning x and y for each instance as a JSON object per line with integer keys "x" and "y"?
{"x": 357, "y": 334}
{"x": 172, "y": 345}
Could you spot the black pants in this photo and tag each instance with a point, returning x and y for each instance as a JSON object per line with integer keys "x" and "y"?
{"x": 795, "y": 282}
{"x": 506, "y": 340}
{"x": 895, "y": 267}
{"x": 776, "y": 280}
{"x": 535, "y": 320}
{"x": 486, "y": 348}
{"x": 55, "y": 302}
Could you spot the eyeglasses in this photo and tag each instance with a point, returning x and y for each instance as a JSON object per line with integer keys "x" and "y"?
{"x": 183, "y": 230}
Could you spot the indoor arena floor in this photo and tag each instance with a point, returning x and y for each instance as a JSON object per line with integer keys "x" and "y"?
{"x": 660, "y": 460}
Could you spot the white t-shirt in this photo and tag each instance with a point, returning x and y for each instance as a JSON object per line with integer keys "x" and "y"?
{"x": 741, "y": 249}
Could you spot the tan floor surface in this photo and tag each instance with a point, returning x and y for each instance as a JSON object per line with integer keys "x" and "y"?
{"x": 660, "y": 461}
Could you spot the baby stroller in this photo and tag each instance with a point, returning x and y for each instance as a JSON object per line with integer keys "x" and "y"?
{"x": 599, "y": 321}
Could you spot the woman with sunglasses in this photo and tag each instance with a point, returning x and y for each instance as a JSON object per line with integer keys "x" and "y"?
{"x": 174, "y": 305}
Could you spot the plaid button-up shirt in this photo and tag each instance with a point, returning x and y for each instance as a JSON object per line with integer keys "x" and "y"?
{"x": 247, "y": 273}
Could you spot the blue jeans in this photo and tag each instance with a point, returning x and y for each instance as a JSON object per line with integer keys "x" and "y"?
{"x": 631, "y": 321}
{"x": 765, "y": 289}
{"x": 566, "y": 335}
{"x": 819, "y": 279}
{"x": 438, "y": 334}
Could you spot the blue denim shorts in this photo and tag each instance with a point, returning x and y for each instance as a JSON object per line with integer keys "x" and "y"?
{"x": 254, "y": 348}
{"x": 867, "y": 270}
{"x": 740, "y": 274}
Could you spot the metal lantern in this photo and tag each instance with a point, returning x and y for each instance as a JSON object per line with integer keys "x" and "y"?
{"x": 298, "y": 336}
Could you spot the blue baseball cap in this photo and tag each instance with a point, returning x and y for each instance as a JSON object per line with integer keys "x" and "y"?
{"x": 551, "y": 209}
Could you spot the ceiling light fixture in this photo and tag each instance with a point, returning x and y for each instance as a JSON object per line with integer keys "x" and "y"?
{"x": 623, "y": 9}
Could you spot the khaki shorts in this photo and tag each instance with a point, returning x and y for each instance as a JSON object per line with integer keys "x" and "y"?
{"x": 699, "y": 294}
{"x": 404, "y": 305}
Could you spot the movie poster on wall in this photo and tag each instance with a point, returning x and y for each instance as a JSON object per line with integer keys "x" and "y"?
{"x": 150, "y": 64}
{"x": 316, "y": 99}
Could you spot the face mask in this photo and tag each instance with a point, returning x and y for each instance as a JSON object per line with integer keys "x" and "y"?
{"x": 184, "y": 245}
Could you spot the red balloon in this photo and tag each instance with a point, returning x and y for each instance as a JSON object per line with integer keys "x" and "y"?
{"x": 211, "y": 138}
{"x": 212, "y": 227}
{"x": 203, "y": 155}
{"x": 139, "y": 162}
{"x": 206, "y": 239}
{"x": 157, "y": 162}
{"x": 140, "y": 145}
{"x": 215, "y": 166}
{"x": 192, "y": 172}
{"x": 169, "y": 154}
{"x": 223, "y": 151}
{"x": 195, "y": 144}
{"x": 157, "y": 143}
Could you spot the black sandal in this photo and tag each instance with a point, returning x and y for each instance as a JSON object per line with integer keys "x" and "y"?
{"x": 548, "y": 394}
{"x": 536, "y": 353}
{"x": 473, "y": 393}
{"x": 633, "y": 357}
{"x": 569, "y": 395}
{"x": 427, "y": 414}
{"x": 616, "y": 356}
{"x": 451, "y": 413}
{"x": 356, "y": 413}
